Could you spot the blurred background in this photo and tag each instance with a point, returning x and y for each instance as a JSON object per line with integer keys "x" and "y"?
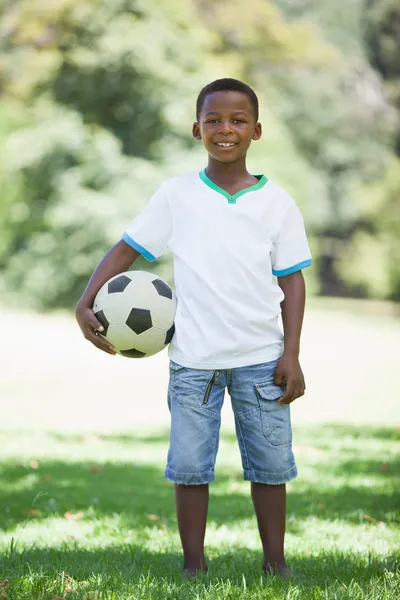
{"x": 97, "y": 100}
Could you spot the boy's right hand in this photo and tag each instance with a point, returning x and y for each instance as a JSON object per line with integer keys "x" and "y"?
{"x": 91, "y": 329}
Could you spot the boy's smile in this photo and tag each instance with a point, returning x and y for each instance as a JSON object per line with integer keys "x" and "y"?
{"x": 227, "y": 125}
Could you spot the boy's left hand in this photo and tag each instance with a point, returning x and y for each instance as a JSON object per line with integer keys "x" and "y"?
{"x": 289, "y": 372}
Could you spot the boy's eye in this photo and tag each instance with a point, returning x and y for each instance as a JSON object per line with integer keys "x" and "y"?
{"x": 219, "y": 120}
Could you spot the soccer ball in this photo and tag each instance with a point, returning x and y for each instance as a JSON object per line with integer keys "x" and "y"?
{"x": 137, "y": 310}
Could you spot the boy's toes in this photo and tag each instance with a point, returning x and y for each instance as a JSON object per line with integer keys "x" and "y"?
{"x": 188, "y": 573}
{"x": 281, "y": 570}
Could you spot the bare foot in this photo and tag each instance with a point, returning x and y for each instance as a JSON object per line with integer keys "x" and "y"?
{"x": 278, "y": 569}
{"x": 190, "y": 573}
{"x": 194, "y": 566}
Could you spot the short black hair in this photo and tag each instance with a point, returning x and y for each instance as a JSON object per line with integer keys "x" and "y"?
{"x": 227, "y": 85}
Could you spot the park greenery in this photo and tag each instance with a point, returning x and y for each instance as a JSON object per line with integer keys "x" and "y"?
{"x": 96, "y": 105}
{"x": 87, "y": 517}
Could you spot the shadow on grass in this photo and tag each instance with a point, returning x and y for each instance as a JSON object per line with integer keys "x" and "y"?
{"x": 58, "y": 487}
{"x": 134, "y": 491}
{"x": 130, "y": 564}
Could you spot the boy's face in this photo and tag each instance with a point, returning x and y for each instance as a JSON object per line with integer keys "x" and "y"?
{"x": 227, "y": 125}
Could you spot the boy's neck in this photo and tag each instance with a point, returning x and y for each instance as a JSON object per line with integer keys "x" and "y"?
{"x": 227, "y": 173}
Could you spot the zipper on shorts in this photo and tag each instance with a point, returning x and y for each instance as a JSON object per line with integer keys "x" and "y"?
{"x": 210, "y": 387}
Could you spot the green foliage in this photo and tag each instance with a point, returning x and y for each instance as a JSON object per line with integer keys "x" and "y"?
{"x": 97, "y": 92}
{"x": 382, "y": 35}
{"x": 96, "y": 58}
{"x": 340, "y": 24}
{"x": 382, "y": 25}
{"x": 368, "y": 261}
{"x": 345, "y": 121}
{"x": 96, "y": 105}
{"x": 77, "y": 190}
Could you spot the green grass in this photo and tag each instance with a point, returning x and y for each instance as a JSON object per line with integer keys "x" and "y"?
{"x": 343, "y": 525}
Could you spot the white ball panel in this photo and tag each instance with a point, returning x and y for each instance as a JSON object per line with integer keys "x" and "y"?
{"x": 100, "y": 299}
{"x": 121, "y": 337}
{"x": 142, "y": 290}
{"x": 117, "y": 306}
{"x": 163, "y": 313}
{"x": 139, "y": 295}
{"x": 151, "y": 341}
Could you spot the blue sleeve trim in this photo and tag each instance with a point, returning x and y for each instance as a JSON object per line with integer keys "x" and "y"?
{"x": 127, "y": 238}
{"x": 290, "y": 270}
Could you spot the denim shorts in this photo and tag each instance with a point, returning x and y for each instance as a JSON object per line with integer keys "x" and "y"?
{"x": 263, "y": 428}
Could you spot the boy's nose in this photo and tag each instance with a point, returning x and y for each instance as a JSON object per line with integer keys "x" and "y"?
{"x": 225, "y": 127}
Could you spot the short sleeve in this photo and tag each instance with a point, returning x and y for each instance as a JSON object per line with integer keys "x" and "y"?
{"x": 151, "y": 231}
{"x": 290, "y": 251}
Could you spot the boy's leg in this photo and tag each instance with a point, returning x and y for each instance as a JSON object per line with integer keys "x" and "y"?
{"x": 195, "y": 399}
{"x": 191, "y": 509}
{"x": 264, "y": 434}
{"x": 270, "y": 506}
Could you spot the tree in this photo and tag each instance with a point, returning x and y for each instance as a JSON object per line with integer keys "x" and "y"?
{"x": 97, "y": 95}
{"x": 382, "y": 38}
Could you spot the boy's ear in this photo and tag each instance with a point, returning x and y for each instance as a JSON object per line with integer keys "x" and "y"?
{"x": 257, "y": 131}
{"x": 196, "y": 131}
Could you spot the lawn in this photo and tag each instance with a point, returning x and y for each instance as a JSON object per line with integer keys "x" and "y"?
{"x": 85, "y": 512}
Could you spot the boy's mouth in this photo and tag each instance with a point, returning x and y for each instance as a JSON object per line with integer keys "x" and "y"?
{"x": 225, "y": 144}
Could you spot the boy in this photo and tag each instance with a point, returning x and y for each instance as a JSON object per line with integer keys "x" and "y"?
{"x": 229, "y": 232}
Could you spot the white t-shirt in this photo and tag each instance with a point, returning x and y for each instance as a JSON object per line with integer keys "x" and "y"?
{"x": 226, "y": 250}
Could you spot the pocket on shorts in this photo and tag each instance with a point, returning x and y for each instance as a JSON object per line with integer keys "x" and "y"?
{"x": 191, "y": 387}
{"x": 275, "y": 417}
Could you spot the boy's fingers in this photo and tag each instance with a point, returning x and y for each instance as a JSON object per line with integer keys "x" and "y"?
{"x": 291, "y": 394}
{"x": 101, "y": 343}
{"x": 285, "y": 399}
{"x": 106, "y": 349}
{"x": 288, "y": 396}
{"x": 96, "y": 324}
{"x": 90, "y": 320}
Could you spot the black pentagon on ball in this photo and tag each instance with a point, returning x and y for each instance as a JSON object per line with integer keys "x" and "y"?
{"x": 162, "y": 288}
{"x": 139, "y": 320}
{"x": 133, "y": 353}
{"x": 100, "y": 316}
{"x": 118, "y": 284}
{"x": 170, "y": 334}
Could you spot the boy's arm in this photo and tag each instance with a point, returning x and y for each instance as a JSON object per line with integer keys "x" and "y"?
{"x": 117, "y": 260}
{"x": 288, "y": 370}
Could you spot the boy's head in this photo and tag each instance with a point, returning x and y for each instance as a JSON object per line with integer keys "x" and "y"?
{"x": 227, "y": 119}
{"x": 227, "y": 85}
